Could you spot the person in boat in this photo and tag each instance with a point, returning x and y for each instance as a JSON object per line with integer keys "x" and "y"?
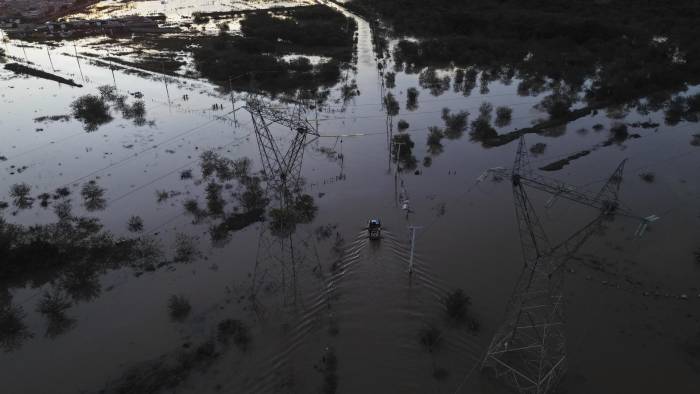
{"x": 374, "y": 228}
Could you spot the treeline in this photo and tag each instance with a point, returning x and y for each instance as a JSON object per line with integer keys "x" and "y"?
{"x": 255, "y": 59}
{"x": 626, "y": 48}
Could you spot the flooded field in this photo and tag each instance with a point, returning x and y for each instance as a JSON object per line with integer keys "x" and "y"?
{"x": 163, "y": 231}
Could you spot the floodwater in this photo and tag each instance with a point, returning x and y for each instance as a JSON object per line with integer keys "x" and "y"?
{"x": 632, "y": 304}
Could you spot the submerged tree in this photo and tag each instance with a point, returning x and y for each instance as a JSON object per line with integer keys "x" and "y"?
{"x": 93, "y": 196}
{"x": 503, "y": 116}
{"x": 92, "y": 111}
{"x": 135, "y": 224}
{"x": 430, "y": 337}
{"x": 481, "y": 128}
{"x": 53, "y": 306}
{"x": 20, "y": 195}
{"x": 435, "y": 137}
{"x": 403, "y": 150}
{"x": 412, "y": 99}
{"x": 390, "y": 79}
{"x": 235, "y": 330}
{"x": 186, "y": 250}
{"x": 429, "y": 79}
{"x": 13, "y": 330}
{"x": 455, "y": 124}
{"x": 392, "y": 106}
{"x": 178, "y": 307}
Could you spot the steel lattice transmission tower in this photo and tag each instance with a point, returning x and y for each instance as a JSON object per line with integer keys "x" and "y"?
{"x": 528, "y": 351}
{"x": 281, "y": 166}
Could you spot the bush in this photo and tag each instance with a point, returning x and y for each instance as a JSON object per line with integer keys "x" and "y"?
{"x": 392, "y": 106}
{"x": 93, "y": 196}
{"x": 390, "y": 79}
{"x": 403, "y": 125}
{"x": 430, "y": 337}
{"x": 482, "y": 130}
{"x": 695, "y": 141}
{"x": 20, "y": 195}
{"x": 456, "y": 305}
{"x": 178, "y": 307}
{"x": 412, "y": 99}
{"x": 486, "y": 110}
{"x": 619, "y": 131}
{"x": 135, "y": 224}
{"x": 648, "y": 177}
{"x": 455, "y": 124}
{"x": 186, "y": 249}
{"x": 92, "y": 111}
{"x": 435, "y": 137}
{"x": 53, "y": 306}
{"x": 538, "y": 148}
{"x": 503, "y": 116}
{"x": 13, "y": 331}
{"x": 234, "y": 329}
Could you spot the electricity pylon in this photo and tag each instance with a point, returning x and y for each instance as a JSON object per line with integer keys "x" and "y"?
{"x": 281, "y": 167}
{"x": 528, "y": 351}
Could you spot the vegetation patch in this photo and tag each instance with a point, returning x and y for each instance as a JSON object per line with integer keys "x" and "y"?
{"x": 392, "y": 106}
{"x": 412, "y": 99}
{"x": 53, "y": 306}
{"x": 430, "y": 337}
{"x": 328, "y": 367}
{"x": 235, "y": 331}
{"x": 578, "y": 51}
{"x": 648, "y": 176}
{"x": 503, "y": 116}
{"x": 22, "y": 69}
{"x": 559, "y": 164}
{"x": 13, "y": 330}
{"x": 455, "y": 124}
{"x": 92, "y": 111}
{"x": 456, "y": 304}
{"x": 165, "y": 373}
{"x": 435, "y": 136}
{"x": 403, "y": 150}
{"x": 178, "y": 307}
{"x": 254, "y": 60}
{"x": 53, "y": 118}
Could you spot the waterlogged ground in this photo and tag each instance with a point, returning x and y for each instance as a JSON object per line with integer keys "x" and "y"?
{"x": 321, "y": 308}
{"x": 179, "y": 10}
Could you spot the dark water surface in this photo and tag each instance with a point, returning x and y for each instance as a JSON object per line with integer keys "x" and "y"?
{"x": 335, "y": 292}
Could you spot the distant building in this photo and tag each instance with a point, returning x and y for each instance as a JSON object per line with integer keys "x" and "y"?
{"x": 32, "y": 9}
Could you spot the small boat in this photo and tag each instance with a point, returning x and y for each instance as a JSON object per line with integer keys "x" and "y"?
{"x": 374, "y": 229}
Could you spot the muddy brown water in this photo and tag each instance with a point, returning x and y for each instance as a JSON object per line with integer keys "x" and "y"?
{"x": 628, "y": 329}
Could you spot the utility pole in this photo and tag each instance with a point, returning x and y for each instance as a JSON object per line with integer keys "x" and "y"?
{"x": 398, "y": 155}
{"x": 77, "y": 59}
{"x": 50, "y": 61}
{"x": 233, "y": 100}
{"x": 413, "y": 246}
{"x": 165, "y": 81}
